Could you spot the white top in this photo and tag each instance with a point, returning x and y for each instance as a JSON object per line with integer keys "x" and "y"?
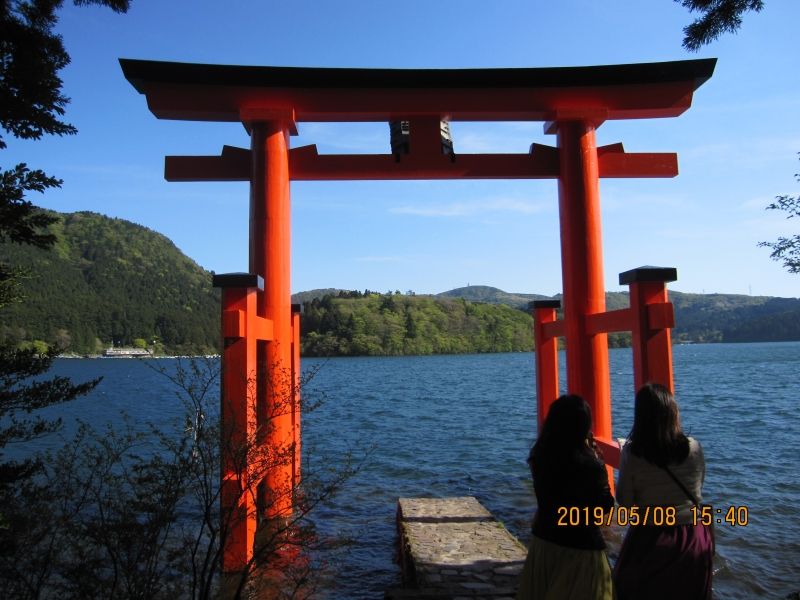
{"x": 642, "y": 483}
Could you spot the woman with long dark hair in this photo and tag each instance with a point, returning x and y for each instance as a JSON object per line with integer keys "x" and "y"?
{"x": 661, "y": 474}
{"x": 566, "y": 557}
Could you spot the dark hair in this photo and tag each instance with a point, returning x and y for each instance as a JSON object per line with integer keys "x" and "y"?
{"x": 657, "y": 435}
{"x": 564, "y": 433}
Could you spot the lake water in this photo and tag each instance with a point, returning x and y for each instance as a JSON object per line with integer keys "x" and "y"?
{"x": 463, "y": 425}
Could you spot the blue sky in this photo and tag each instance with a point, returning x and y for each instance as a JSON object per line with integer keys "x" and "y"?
{"x": 737, "y": 146}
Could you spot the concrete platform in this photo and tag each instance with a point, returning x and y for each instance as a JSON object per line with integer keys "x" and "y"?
{"x": 454, "y": 548}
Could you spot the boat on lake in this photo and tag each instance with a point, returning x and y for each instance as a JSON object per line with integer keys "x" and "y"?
{"x": 126, "y": 352}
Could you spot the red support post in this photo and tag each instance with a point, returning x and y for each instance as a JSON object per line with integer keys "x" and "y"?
{"x": 582, "y": 268}
{"x": 546, "y": 356}
{"x": 238, "y": 507}
{"x": 297, "y": 310}
{"x": 270, "y": 253}
{"x": 653, "y": 316}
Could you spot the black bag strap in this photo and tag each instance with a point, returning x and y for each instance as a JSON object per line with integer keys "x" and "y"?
{"x": 680, "y": 485}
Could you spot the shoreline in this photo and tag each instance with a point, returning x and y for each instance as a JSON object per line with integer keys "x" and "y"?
{"x": 73, "y": 355}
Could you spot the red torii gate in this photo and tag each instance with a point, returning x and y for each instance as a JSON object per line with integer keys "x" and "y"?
{"x": 259, "y": 326}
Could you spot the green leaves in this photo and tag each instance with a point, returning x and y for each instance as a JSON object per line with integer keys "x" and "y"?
{"x": 30, "y": 57}
{"x": 786, "y": 250}
{"x": 392, "y": 324}
{"x": 20, "y": 221}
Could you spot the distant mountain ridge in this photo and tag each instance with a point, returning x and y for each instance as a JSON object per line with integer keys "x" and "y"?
{"x": 109, "y": 281}
{"x": 698, "y": 317}
{"x": 492, "y": 295}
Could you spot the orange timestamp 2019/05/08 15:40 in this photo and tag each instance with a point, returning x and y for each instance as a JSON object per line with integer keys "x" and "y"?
{"x": 572, "y": 516}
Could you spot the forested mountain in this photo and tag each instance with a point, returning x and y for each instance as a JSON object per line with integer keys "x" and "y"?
{"x": 492, "y": 295}
{"x": 111, "y": 281}
{"x": 302, "y": 297}
{"x": 355, "y": 323}
{"x": 698, "y": 317}
{"x": 736, "y": 318}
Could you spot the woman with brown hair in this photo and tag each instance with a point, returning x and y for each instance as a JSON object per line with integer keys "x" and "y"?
{"x": 567, "y": 558}
{"x": 668, "y": 554}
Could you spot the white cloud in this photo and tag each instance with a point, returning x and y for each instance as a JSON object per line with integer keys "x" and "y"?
{"x": 756, "y": 203}
{"x": 626, "y": 200}
{"x": 346, "y": 138}
{"x": 755, "y": 152}
{"x": 494, "y": 137}
{"x": 693, "y": 233}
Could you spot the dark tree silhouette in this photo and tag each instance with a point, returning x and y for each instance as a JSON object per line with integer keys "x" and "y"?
{"x": 31, "y": 105}
{"x": 716, "y": 18}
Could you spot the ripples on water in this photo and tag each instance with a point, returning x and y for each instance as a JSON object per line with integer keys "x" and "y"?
{"x": 462, "y": 425}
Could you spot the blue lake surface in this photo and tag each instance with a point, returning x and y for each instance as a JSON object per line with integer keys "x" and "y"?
{"x": 463, "y": 425}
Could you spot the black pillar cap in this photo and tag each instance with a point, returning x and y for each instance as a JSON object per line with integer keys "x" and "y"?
{"x": 544, "y": 304}
{"x": 238, "y": 280}
{"x": 297, "y": 308}
{"x": 648, "y": 274}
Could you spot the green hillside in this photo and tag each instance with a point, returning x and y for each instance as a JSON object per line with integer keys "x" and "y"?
{"x": 491, "y": 295}
{"x": 108, "y": 281}
{"x": 309, "y": 295}
{"x": 736, "y": 318}
{"x": 698, "y": 317}
{"x": 352, "y": 323}
{"x": 111, "y": 281}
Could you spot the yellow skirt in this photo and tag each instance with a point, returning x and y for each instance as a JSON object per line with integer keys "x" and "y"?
{"x": 554, "y": 572}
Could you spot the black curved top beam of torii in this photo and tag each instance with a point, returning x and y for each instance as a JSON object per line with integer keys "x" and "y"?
{"x": 423, "y": 97}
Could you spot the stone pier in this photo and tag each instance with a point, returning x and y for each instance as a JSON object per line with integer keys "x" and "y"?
{"x": 453, "y": 548}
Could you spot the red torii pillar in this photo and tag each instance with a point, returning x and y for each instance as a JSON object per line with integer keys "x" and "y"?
{"x": 582, "y": 267}
{"x": 242, "y": 331}
{"x": 546, "y": 331}
{"x": 651, "y": 318}
{"x": 296, "y": 413}
{"x": 261, "y": 366}
{"x": 270, "y": 256}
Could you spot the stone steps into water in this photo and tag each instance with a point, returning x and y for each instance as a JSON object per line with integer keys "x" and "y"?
{"x": 453, "y": 548}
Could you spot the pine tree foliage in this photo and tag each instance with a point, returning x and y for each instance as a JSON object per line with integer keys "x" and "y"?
{"x": 31, "y": 105}
{"x": 31, "y": 55}
{"x": 717, "y": 17}
{"x": 21, "y": 223}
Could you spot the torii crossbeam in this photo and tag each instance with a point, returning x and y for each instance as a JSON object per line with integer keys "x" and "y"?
{"x": 260, "y": 329}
